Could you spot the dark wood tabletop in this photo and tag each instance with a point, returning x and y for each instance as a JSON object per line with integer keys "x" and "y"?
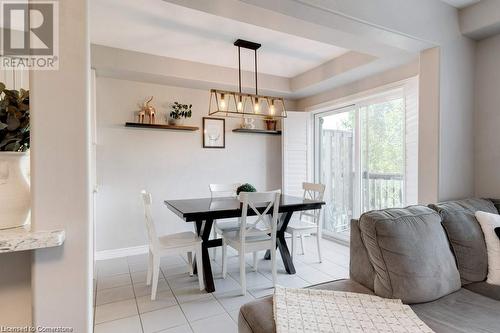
{"x": 204, "y": 211}
{"x": 228, "y": 207}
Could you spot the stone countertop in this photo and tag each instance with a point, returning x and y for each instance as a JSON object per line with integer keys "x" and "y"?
{"x": 23, "y": 239}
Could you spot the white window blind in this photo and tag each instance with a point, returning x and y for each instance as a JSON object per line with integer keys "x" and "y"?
{"x": 296, "y": 152}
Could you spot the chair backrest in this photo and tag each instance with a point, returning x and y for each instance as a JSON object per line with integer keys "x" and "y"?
{"x": 147, "y": 200}
{"x": 313, "y": 192}
{"x": 223, "y": 190}
{"x": 268, "y": 203}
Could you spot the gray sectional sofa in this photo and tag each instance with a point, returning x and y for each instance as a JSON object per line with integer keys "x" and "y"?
{"x": 433, "y": 258}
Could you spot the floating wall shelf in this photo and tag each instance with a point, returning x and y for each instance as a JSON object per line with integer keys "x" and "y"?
{"x": 24, "y": 239}
{"x": 163, "y": 126}
{"x": 256, "y": 131}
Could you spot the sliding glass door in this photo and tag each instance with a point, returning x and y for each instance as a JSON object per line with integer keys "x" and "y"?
{"x": 360, "y": 157}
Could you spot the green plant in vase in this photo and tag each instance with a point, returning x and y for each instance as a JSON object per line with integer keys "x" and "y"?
{"x": 245, "y": 188}
{"x": 179, "y": 113}
{"x": 14, "y": 120}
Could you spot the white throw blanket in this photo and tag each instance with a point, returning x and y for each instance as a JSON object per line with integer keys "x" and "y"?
{"x": 314, "y": 310}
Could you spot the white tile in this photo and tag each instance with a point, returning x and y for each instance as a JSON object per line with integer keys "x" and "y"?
{"x": 313, "y": 275}
{"x": 125, "y": 325}
{"x": 141, "y": 289}
{"x": 190, "y": 294}
{"x": 202, "y": 309}
{"x": 261, "y": 291}
{"x": 116, "y": 310}
{"x": 173, "y": 261}
{"x": 220, "y": 324}
{"x": 172, "y": 270}
{"x": 252, "y": 278}
{"x": 113, "y": 281}
{"x": 234, "y": 314}
{"x": 183, "y": 281}
{"x": 223, "y": 286}
{"x": 114, "y": 294}
{"x": 112, "y": 267}
{"x": 162, "y": 319}
{"x": 163, "y": 300}
{"x": 138, "y": 266}
{"x": 233, "y": 299}
{"x": 178, "y": 329}
{"x": 140, "y": 276}
{"x": 138, "y": 258}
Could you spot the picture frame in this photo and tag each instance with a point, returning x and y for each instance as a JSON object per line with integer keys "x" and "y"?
{"x": 214, "y": 133}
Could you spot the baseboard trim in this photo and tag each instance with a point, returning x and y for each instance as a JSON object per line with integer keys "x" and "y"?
{"x": 120, "y": 253}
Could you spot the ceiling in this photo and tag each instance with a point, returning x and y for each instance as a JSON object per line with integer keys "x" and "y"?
{"x": 461, "y": 3}
{"x": 160, "y": 28}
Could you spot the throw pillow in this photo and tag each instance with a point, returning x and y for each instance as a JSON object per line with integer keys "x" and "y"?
{"x": 488, "y": 223}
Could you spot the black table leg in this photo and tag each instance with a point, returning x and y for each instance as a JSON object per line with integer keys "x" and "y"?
{"x": 281, "y": 243}
{"x": 203, "y": 230}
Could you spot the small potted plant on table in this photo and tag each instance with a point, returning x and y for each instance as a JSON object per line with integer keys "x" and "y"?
{"x": 179, "y": 113}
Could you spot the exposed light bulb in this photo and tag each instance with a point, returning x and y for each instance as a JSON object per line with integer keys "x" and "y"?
{"x": 272, "y": 109}
{"x": 222, "y": 103}
{"x": 239, "y": 105}
{"x": 256, "y": 106}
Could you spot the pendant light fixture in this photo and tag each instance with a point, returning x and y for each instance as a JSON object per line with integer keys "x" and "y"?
{"x": 243, "y": 105}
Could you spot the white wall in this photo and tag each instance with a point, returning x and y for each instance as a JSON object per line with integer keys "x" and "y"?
{"x": 170, "y": 164}
{"x": 487, "y": 118}
{"x": 60, "y": 184}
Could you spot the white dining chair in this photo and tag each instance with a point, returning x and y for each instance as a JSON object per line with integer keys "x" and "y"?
{"x": 172, "y": 244}
{"x": 257, "y": 235}
{"x": 221, "y": 226}
{"x": 308, "y": 222}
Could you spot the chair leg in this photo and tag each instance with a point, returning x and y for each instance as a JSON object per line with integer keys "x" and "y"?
{"x": 156, "y": 274}
{"x": 150, "y": 268}
{"x": 224, "y": 259}
{"x": 243, "y": 278}
{"x": 273, "y": 265}
{"x": 318, "y": 240}
{"x": 190, "y": 263}
{"x": 255, "y": 261}
{"x": 199, "y": 267}
{"x": 302, "y": 244}
{"x": 214, "y": 249}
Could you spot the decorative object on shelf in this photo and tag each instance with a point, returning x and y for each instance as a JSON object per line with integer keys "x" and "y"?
{"x": 256, "y": 131}
{"x": 214, "y": 135}
{"x": 14, "y": 157}
{"x": 237, "y": 104}
{"x": 270, "y": 123}
{"x": 147, "y": 110}
{"x": 162, "y": 126}
{"x": 248, "y": 123}
{"x": 179, "y": 113}
{"x": 245, "y": 188}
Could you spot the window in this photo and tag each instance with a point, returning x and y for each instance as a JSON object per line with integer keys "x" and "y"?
{"x": 366, "y": 154}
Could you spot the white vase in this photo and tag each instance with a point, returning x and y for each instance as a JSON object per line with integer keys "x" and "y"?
{"x": 14, "y": 190}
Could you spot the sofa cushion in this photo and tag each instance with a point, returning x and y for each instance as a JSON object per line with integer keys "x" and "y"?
{"x": 485, "y": 289}
{"x": 410, "y": 253}
{"x": 461, "y": 312}
{"x": 465, "y": 236}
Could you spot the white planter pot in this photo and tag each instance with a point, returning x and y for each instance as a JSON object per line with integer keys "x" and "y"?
{"x": 14, "y": 190}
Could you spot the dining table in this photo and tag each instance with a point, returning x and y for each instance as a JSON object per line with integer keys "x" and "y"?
{"x": 204, "y": 211}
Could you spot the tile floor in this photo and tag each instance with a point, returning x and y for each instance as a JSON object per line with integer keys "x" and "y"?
{"x": 123, "y": 303}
